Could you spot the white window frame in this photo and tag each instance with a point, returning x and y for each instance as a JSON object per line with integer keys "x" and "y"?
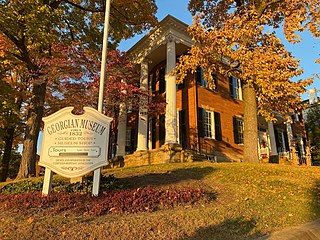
{"x": 237, "y": 88}
{"x": 212, "y": 124}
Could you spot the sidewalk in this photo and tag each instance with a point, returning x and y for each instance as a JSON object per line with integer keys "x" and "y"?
{"x": 308, "y": 231}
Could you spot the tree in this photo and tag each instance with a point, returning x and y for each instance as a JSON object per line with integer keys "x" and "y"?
{"x": 313, "y": 129}
{"x": 9, "y": 119}
{"x": 10, "y": 102}
{"x": 237, "y": 38}
{"x": 122, "y": 85}
{"x": 37, "y": 28}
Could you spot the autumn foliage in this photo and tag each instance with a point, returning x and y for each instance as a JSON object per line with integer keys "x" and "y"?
{"x": 52, "y": 46}
{"x": 238, "y": 38}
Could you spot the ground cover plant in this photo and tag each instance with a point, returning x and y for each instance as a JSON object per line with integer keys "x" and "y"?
{"x": 249, "y": 200}
{"x": 59, "y": 184}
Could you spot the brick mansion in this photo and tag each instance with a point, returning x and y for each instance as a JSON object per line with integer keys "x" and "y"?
{"x": 204, "y": 121}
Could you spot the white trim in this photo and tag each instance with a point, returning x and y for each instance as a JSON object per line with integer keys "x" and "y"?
{"x": 239, "y": 88}
{"x": 212, "y": 124}
{"x": 178, "y": 126}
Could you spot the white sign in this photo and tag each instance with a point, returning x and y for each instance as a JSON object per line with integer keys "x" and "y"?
{"x": 74, "y": 145}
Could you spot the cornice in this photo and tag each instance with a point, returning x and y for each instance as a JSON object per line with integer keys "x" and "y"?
{"x": 169, "y": 28}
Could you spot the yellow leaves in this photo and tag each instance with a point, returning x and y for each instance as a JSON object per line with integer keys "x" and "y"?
{"x": 30, "y": 220}
{"x": 264, "y": 62}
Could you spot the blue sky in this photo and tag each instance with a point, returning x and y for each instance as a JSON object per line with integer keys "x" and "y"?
{"x": 307, "y": 51}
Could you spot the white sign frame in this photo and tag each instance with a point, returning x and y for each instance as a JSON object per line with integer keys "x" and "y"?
{"x": 74, "y": 145}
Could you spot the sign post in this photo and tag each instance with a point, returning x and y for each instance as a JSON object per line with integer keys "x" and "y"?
{"x": 91, "y": 157}
{"x": 74, "y": 145}
{"x": 96, "y": 174}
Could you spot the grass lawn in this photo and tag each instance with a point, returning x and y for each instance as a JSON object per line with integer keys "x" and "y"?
{"x": 250, "y": 200}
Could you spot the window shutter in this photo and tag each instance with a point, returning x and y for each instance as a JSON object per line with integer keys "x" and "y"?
{"x": 286, "y": 141}
{"x": 217, "y": 126}
{"x": 231, "y": 86}
{"x": 276, "y": 136}
{"x": 200, "y": 122}
{"x": 235, "y": 130}
{"x": 183, "y": 128}
{"x": 199, "y": 75}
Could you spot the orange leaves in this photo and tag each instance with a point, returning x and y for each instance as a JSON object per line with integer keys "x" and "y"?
{"x": 244, "y": 36}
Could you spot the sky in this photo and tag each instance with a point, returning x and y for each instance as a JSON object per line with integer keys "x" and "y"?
{"x": 307, "y": 50}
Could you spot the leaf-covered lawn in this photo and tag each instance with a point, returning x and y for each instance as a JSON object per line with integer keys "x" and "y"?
{"x": 249, "y": 200}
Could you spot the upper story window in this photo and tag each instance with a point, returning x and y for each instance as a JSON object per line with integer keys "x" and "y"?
{"x": 209, "y": 124}
{"x": 203, "y": 82}
{"x": 235, "y": 88}
{"x": 238, "y": 130}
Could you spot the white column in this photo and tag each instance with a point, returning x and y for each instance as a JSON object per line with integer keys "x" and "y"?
{"x": 292, "y": 149}
{"x": 289, "y": 133}
{"x": 301, "y": 143}
{"x": 143, "y": 116}
{"x": 273, "y": 145}
{"x": 171, "y": 93}
{"x": 150, "y": 134}
{"x": 122, "y": 127}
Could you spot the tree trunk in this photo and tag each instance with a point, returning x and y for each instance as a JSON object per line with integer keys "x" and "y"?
{"x": 250, "y": 134}
{"x": 35, "y": 114}
{"x": 7, "y": 154}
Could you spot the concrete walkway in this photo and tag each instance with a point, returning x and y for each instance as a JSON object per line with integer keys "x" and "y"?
{"x": 308, "y": 231}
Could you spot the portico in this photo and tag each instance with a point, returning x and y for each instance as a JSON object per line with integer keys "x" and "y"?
{"x": 164, "y": 43}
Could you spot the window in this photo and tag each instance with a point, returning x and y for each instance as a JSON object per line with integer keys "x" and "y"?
{"x": 235, "y": 88}
{"x": 128, "y": 137}
{"x": 209, "y": 124}
{"x": 280, "y": 141}
{"x": 238, "y": 130}
{"x": 203, "y": 82}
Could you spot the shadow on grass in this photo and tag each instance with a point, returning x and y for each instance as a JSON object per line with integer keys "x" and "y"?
{"x": 167, "y": 178}
{"x": 231, "y": 229}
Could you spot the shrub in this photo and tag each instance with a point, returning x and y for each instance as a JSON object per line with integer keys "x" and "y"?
{"x": 21, "y": 187}
{"x": 59, "y": 185}
{"x": 116, "y": 201}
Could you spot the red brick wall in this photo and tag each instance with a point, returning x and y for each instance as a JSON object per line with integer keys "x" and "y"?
{"x": 221, "y": 101}
{"x": 190, "y": 97}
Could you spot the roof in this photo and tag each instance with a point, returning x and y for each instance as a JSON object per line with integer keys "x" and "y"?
{"x": 169, "y": 18}
{"x": 158, "y": 36}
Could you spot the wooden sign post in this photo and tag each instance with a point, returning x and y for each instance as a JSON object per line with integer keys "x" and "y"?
{"x": 74, "y": 145}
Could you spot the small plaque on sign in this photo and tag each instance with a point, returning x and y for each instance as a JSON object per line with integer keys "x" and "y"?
{"x": 74, "y": 145}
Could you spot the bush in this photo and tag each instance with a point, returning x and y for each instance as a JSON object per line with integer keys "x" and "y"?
{"x": 21, "y": 187}
{"x": 59, "y": 185}
{"x": 117, "y": 201}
